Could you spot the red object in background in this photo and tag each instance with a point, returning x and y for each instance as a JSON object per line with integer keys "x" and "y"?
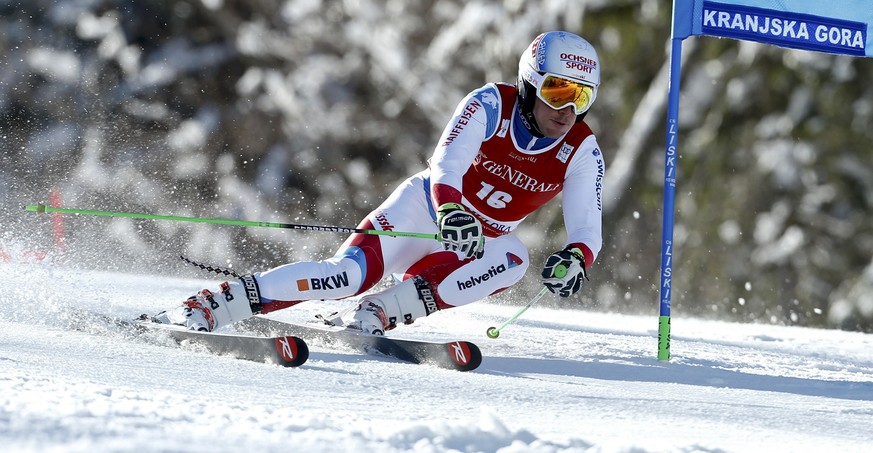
{"x": 35, "y": 255}
{"x": 57, "y": 220}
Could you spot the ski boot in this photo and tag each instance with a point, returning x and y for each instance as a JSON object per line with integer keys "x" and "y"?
{"x": 402, "y": 303}
{"x": 206, "y": 311}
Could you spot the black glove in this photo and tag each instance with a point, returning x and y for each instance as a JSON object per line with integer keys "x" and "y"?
{"x": 564, "y": 272}
{"x": 460, "y": 231}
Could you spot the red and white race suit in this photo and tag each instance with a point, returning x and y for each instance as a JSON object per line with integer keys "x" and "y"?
{"x": 489, "y": 162}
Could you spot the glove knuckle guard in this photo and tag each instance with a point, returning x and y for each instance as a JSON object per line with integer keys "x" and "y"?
{"x": 569, "y": 280}
{"x": 460, "y": 231}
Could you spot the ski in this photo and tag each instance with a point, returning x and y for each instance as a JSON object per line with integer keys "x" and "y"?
{"x": 285, "y": 350}
{"x": 455, "y": 355}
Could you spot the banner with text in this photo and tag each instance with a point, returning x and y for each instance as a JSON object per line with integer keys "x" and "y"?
{"x": 835, "y": 26}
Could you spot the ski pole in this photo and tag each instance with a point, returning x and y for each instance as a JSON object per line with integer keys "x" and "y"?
{"x": 41, "y": 209}
{"x": 494, "y": 332}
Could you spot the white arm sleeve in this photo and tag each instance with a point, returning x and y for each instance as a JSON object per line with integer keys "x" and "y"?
{"x": 474, "y": 121}
{"x": 583, "y": 196}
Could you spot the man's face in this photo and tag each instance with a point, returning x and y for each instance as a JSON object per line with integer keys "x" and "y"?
{"x": 553, "y": 123}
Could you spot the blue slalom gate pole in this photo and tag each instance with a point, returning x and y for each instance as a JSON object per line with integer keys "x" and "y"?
{"x": 671, "y": 153}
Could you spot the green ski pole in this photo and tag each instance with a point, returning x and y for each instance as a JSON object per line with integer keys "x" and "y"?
{"x": 41, "y": 209}
{"x": 494, "y": 332}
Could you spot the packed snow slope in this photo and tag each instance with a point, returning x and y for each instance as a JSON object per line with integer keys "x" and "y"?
{"x": 555, "y": 381}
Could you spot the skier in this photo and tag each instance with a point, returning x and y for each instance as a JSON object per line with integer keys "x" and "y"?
{"x": 507, "y": 151}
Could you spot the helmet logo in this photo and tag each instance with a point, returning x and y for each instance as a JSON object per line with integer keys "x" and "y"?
{"x": 539, "y": 52}
{"x": 578, "y": 62}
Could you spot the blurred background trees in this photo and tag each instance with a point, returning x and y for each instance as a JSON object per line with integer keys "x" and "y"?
{"x": 311, "y": 111}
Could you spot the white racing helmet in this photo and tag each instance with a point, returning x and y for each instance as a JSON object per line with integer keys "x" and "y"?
{"x": 560, "y": 68}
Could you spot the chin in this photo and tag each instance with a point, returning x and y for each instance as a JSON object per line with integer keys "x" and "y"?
{"x": 557, "y": 133}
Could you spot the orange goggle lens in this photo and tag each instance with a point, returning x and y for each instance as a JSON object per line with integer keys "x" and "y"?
{"x": 558, "y": 93}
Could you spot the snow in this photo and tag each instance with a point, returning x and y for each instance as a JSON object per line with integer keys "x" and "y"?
{"x": 555, "y": 381}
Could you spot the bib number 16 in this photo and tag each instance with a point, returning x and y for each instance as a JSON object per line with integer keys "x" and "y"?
{"x": 494, "y": 198}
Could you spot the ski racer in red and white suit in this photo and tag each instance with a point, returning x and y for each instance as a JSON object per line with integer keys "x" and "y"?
{"x": 505, "y": 153}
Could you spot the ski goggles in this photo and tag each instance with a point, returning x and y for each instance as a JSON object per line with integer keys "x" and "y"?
{"x": 559, "y": 92}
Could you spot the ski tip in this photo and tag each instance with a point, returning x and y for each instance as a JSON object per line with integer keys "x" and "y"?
{"x": 292, "y": 351}
{"x": 465, "y": 355}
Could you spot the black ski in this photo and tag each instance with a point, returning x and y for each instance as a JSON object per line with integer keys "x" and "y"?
{"x": 455, "y": 355}
{"x": 285, "y": 350}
